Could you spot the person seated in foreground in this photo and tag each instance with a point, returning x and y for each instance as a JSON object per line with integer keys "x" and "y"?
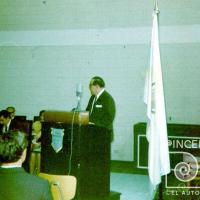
{"x": 15, "y": 183}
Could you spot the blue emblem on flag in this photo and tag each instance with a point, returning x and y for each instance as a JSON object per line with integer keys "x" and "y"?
{"x": 57, "y": 139}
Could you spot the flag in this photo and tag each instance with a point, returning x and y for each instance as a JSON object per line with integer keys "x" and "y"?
{"x": 156, "y": 132}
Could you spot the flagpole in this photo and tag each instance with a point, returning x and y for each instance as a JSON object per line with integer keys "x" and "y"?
{"x": 157, "y": 11}
{"x": 160, "y": 189}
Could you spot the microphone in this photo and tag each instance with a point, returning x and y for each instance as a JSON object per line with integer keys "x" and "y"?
{"x": 79, "y": 93}
{"x": 79, "y": 90}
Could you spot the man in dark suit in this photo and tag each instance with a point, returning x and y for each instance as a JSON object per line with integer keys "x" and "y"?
{"x": 97, "y": 141}
{"x": 8, "y": 123}
{"x": 15, "y": 183}
{"x": 101, "y": 105}
{"x": 5, "y": 121}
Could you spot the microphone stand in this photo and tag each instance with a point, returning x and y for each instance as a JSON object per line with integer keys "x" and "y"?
{"x": 78, "y": 107}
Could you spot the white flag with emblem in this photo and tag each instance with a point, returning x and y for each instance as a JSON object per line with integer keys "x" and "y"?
{"x": 158, "y": 155}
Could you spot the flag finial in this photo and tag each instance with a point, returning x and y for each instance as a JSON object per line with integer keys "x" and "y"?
{"x": 156, "y": 9}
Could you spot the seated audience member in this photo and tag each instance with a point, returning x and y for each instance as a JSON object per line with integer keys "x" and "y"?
{"x": 36, "y": 144}
{"x": 35, "y": 148}
{"x": 5, "y": 121}
{"x": 13, "y": 115}
{"x": 12, "y": 111}
{"x": 15, "y": 183}
{"x": 41, "y": 115}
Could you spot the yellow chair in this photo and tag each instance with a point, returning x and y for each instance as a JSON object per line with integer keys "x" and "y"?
{"x": 63, "y": 187}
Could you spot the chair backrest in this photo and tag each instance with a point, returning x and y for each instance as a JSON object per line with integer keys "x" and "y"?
{"x": 20, "y": 117}
{"x": 63, "y": 187}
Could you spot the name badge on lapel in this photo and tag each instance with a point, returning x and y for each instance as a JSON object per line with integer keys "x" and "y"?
{"x": 57, "y": 139}
{"x": 98, "y": 106}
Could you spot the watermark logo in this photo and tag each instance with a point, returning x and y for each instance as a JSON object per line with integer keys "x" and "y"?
{"x": 185, "y": 171}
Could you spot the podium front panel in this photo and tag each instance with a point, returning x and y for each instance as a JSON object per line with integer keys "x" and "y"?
{"x": 86, "y": 155}
{"x": 64, "y": 161}
{"x": 95, "y": 161}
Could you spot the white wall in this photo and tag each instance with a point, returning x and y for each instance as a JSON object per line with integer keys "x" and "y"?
{"x": 46, "y": 47}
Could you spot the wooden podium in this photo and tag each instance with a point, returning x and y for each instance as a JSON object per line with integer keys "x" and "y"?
{"x": 78, "y": 118}
{"x": 85, "y": 152}
{"x": 66, "y": 160}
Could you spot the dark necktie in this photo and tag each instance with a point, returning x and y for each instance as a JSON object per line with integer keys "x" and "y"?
{"x": 94, "y": 101}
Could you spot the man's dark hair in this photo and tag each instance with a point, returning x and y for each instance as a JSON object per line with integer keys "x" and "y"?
{"x": 5, "y": 114}
{"x": 96, "y": 80}
{"x": 41, "y": 112}
{"x": 12, "y": 145}
{"x": 10, "y": 107}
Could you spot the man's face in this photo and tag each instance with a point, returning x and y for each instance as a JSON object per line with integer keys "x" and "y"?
{"x": 11, "y": 111}
{"x": 4, "y": 120}
{"x": 42, "y": 117}
{"x": 93, "y": 89}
